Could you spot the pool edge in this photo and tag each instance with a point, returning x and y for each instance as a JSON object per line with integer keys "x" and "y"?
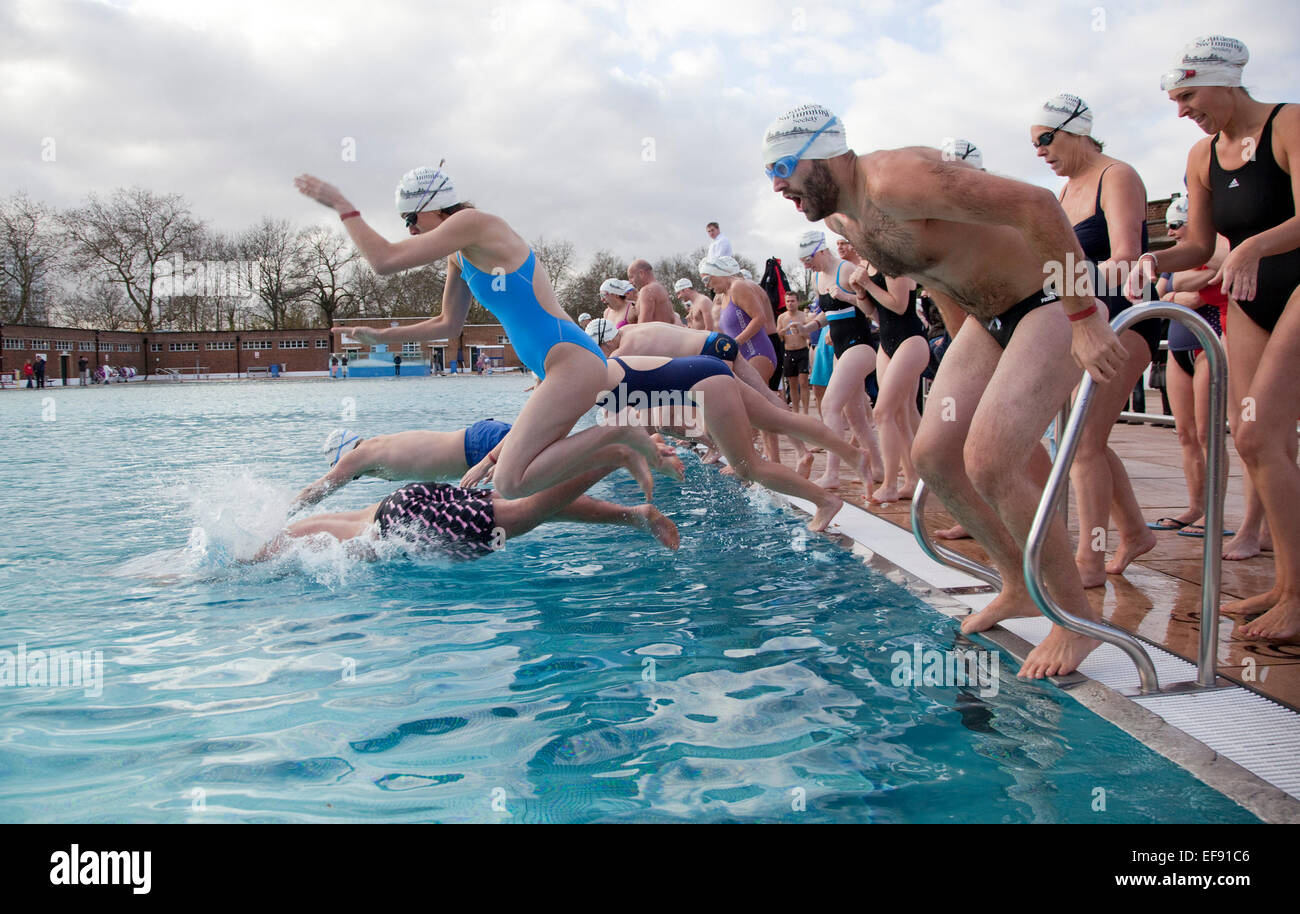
{"x": 1268, "y": 802}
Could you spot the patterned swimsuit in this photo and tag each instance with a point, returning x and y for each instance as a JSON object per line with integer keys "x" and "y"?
{"x": 442, "y": 518}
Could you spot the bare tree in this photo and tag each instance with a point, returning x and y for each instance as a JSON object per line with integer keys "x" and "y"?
{"x": 277, "y": 263}
{"x": 557, "y": 257}
{"x": 581, "y": 293}
{"x": 331, "y": 258}
{"x": 29, "y": 252}
{"x": 96, "y": 303}
{"x": 123, "y": 240}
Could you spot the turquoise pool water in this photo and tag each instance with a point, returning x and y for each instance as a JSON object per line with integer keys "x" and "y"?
{"x": 581, "y": 674}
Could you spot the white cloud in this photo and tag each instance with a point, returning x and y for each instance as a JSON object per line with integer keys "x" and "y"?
{"x": 546, "y": 110}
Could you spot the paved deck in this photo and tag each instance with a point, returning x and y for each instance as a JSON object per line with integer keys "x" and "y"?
{"x": 1159, "y": 596}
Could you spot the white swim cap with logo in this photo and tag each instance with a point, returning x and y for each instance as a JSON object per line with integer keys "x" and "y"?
{"x": 424, "y": 189}
{"x": 962, "y": 150}
{"x": 619, "y": 287}
{"x": 810, "y": 242}
{"x": 1057, "y": 110}
{"x": 787, "y": 134}
{"x": 683, "y": 283}
{"x": 1211, "y": 60}
{"x": 1177, "y": 211}
{"x": 719, "y": 266}
{"x": 602, "y": 330}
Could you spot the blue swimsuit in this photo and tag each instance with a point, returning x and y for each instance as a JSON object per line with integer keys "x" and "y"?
{"x": 531, "y": 329}
{"x": 657, "y": 386}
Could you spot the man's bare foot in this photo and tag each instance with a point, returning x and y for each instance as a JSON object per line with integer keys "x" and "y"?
{"x": 651, "y": 519}
{"x": 1245, "y": 545}
{"x": 822, "y": 519}
{"x": 908, "y": 489}
{"x": 955, "y": 532}
{"x": 1250, "y": 606}
{"x": 885, "y": 495}
{"x": 827, "y": 482}
{"x": 1092, "y": 570}
{"x": 805, "y": 465}
{"x": 1060, "y": 653}
{"x": 1015, "y": 604}
{"x": 1128, "y": 551}
{"x": 1281, "y": 623}
{"x": 712, "y": 455}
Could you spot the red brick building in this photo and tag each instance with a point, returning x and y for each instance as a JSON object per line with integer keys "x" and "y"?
{"x": 219, "y": 352}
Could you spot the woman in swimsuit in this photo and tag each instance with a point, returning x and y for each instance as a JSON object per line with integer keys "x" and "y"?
{"x": 855, "y": 355}
{"x": 1105, "y": 200}
{"x": 488, "y": 260}
{"x": 1243, "y": 181}
{"x": 700, "y": 393}
{"x": 619, "y": 309}
{"x": 1187, "y": 375}
{"x": 903, "y": 357}
{"x": 455, "y": 522}
{"x": 904, "y": 354}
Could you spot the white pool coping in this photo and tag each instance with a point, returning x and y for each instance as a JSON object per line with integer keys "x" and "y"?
{"x": 1236, "y": 741}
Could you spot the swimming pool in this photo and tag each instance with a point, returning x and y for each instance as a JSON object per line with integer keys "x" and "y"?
{"x": 581, "y": 674}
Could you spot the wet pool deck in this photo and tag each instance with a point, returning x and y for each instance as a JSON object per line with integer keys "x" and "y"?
{"x": 1159, "y": 597}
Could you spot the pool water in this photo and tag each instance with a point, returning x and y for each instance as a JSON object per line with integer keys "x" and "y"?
{"x": 580, "y": 674}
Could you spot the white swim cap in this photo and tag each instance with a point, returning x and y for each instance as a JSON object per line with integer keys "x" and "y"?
{"x": 719, "y": 266}
{"x": 619, "y": 287}
{"x": 1177, "y": 211}
{"x": 683, "y": 283}
{"x": 1211, "y": 60}
{"x": 748, "y": 275}
{"x": 602, "y": 330}
{"x": 1066, "y": 112}
{"x": 787, "y": 134}
{"x": 583, "y": 318}
{"x": 810, "y": 242}
{"x": 963, "y": 150}
{"x": 423, "y": 189}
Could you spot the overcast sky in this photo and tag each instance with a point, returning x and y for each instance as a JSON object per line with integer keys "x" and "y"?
{"x": 626, "y": 126}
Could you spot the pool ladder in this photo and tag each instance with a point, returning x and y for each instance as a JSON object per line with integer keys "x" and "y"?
{"x": 1066, "y": 440}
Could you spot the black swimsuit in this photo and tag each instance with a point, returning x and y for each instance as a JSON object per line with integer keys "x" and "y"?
{"x": 846, "y": 323}
{"x": 1094, "y": 238}
{"x": 1250, "y": 200}
{"x": 895, "y": 329}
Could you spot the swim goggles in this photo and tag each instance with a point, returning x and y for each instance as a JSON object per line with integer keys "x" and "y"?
{"x": 411, "y": 217}
{"x": 1045, "y": 139}
{"x": 785, "y": 166}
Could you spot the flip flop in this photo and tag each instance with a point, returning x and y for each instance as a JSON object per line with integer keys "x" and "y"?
{"x": 1198, "y": 530}
{"x": 1169, "y": 523}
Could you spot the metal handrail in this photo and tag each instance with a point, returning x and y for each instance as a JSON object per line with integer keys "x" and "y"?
{"x": 1214, "y": 493}
{"x": 942, "y": 554}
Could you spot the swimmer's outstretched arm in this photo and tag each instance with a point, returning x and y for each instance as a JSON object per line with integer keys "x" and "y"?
{"x": 345, "y": 526}
{"x": 455, "y": 307}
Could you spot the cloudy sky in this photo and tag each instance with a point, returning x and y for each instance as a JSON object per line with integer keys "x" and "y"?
{"x": 618, "y": 125}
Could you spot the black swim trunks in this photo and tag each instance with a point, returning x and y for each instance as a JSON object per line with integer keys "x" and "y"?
{"x": 1004, "y": 325}
{"x": 796, "y": 362}
{"x": 441, "y": 518}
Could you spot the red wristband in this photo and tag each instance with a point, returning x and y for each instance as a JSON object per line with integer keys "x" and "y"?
{"x": 1086, "y": 312}
{"x": 490, "y": 457}
{"x": 349, "y": 214}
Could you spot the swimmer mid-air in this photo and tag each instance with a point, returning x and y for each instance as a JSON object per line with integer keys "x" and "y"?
{"x": 487, "y": 258}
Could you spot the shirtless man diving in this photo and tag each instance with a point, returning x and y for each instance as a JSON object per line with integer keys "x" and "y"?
{"x": 985, "y": 243}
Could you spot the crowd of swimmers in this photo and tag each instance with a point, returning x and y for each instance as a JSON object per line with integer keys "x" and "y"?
{"x": 923, "y": 233}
